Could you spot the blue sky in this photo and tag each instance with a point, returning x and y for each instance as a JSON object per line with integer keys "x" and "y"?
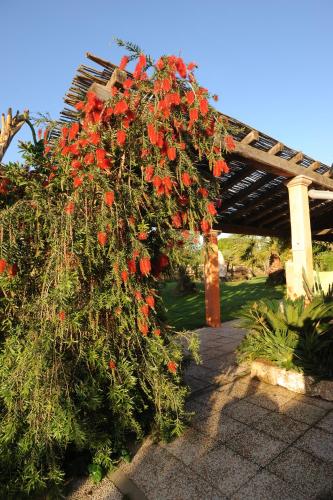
{"x": 269, "y": 61}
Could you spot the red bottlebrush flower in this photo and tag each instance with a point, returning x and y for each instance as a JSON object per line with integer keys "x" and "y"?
{"x": 181, "y": 67}
{"x": 205, "y": 226}
{"x": 112, "y": 364}
{"x": 186, "y": 178}
{"x": 69, "y": 208}
{"x": 229, "y": 143}
{"x": 203, "y": 192}
{"x": 182, "y": 146}
{"x": 100, "y": 155}
{"x": 120, "y": 107}
{"x": 109, "y": 198}
{"x": 77, "y": 182}
{"x": 160, "y": 64}
{"x": 185, "y": 234}
{"x": 166, "y": 84}
{"x": 145, "y": 266}
{"x": 73, "y": 131}
{"x": 76, "y": 164}
{"x": 94, "y": 138}
{"x": 203, "y": 105}
{"x": 131, "y": 266}
{"x": 79, "y": 105}
{"x": 144, "y": 309}
{"x": 143, "y": 327}
{"x": 150, "y": 300}
{"x": 12, "y": 270}
{"x": 64, "y": 132}
{"x": 128, "y": 83}
{"x": 136, "y": 254}
{"x": 215, "y": 97}
{"x": 157, "y": 181}
{"x": 62, "y": 315}
{"x": 142, "y": 236}
{"x": 219, "y": 167}
{"x": 211, "y": 208}
{"x": 123, "y": 62}
{"x": 190, "y": 97}
{"x": 157, "y": 332}
{"x": 194, "y": 114}
{"x": 191, "y": 66}
{"x": 152, "y": 133}
{"x": 121, "y": 137}
{"x": 138, "y": 295}
{"x": 102, "y": 238}
{"x": 149, "y": 172}
{"x": 89, "y": 159}
{"x": 162, "y": 261}
{"x": 171, "y": 152}
{"x": 177, "y": 220}
{"x": 3, "y": 265}
{"x": 172, "y": 367}
{"x": 124, "y": 276}
{"x": 140, "y": 66}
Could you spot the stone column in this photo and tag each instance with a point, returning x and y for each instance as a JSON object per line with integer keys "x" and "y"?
{"x": 302, "y": 264}
{"x": 212, "y": 281}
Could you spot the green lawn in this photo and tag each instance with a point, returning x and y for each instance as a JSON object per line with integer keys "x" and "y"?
{"x": 189, "y": 312}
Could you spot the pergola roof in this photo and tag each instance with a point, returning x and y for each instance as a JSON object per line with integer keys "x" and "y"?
{"x": 255, "y": 199}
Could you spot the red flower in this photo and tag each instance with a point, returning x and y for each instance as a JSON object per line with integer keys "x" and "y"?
{"x": 145, "y": 266}
{"x": 123, "y": 62}
{"x": 112, "y": 365}
{"x": 89, "y": 159}
{"x": 120, "y": 107}
{"x": 149, "y": 172}
{"x": 73, "y": 131}
{"x": 205, "y": 226}
{"x": 121, "y": 137}
{"x": 128, "y": 83}
{"x": 166, "y": 84}
{"x": 186, "y": 178}
{"x": 160, "y": 64}
{"x": 79, "y": 105}
{"x": 211, "y": 208}
{"x": 152, "y": 133}
{"x": 64, "y": 132}
{"x": 190, "y": 97}
{"x": 142, "y": 236}
{"x": 69, "y": 208}
{"x": 191, "y": 66}
{"x": 3, "y": 265}
{"x": 124, "y": 276}
{"x": 150, "y": 300}
{"x": 219, "y": 167}
{"x": 62, "y": 315}
{"x": 172, "y": 367}
{"x": 76, "y": 164}
{"x": 131, "y": 266}
{"x": 145, "y": 309}
{"x": 203, "y": 104}
{"x": 138, "y": 295}
{"x": 181, "y": 67}
{"x": 163, "y": 260}
{"x": 229, "y": 143}
{"x": 143, "y": 327}
{"x": 203, "y": 191}
{"x": 102, "y": 238}
{"x": 194, "y": 114}
{"x": 176, "y": 220}
{"x": 215, "y": 97}
{"x": 12, "y": 270}
{"x": 171, "y": 153}
{"x": 94, "y": 138}
{"x": 140, "y": 66}
{"x": 109, "y": 198}
{"x": 157, "y": 332}
{"x": 77, "y": 181}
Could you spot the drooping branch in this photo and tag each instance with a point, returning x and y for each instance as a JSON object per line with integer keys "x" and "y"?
{"x": 10, "y": 125}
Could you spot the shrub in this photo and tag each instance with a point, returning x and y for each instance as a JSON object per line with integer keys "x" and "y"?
{"x": 291, "y": 334}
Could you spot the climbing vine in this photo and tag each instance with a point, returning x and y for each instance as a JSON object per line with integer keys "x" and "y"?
{"x": 87, "y": 227}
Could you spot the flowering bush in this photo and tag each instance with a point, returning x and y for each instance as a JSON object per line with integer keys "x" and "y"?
{"x": 87, "y": 226}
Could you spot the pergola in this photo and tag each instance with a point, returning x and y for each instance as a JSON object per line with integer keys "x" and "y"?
{"x": 265, "y": 192}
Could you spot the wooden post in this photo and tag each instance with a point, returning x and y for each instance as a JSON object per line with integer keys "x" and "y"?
{"x": 302, "y": 265}
{"x": 212, "y": 282}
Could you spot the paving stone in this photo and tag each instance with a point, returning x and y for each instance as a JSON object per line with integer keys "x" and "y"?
{"x": 267, "y": 486}
{"x": 219, "y": 426}
{"x": 245, "y": 412}
{"x": 303, "y": 412}
{"x": 309, "y": 474}
{"x": 318, "y": 442}
{"x": 190, "y": 446}
{"x": 326, "y": 423}
{"x": 281, "y": 427}
{"x": 315, "y": 401}
{"x": 256, "y": 446}
{"x": 224, "y": 469}
{"x": 268, "y": 401}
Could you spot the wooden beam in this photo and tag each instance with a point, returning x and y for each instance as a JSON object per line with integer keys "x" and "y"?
{"x": 101, "y": 91}
{"x": 212, "y": 282}
{"x": 297, "y": 158}
{"x": 117, "y": 79}
{"x": 279, "y": 166}
{"x": 265, "y": 179}
{"x": 251, "y": 230}
{"x": 276, "y": 148}
{"x": 250, "y": 137}
{"x": 314, "y": 166}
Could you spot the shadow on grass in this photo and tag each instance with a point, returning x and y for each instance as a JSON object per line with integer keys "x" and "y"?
{"x": 188, "y": 312}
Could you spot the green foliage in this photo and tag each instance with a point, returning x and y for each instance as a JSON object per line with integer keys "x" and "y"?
{"x": 291, "y": 334}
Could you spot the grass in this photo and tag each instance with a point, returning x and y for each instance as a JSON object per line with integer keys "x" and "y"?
{"x": 189, "y": 312}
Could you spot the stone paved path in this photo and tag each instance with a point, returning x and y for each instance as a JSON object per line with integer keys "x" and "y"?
{"x": 248, "y": 440}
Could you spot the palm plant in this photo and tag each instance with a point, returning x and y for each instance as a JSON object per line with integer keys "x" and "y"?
{"x": 291, "y": 334}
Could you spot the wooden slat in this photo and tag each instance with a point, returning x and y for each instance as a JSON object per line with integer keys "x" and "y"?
{"x": 250, "y": 137}
{"x": 279, "y": 166}
{"x": 276, "y": 148}
{"x": 101, "y": 91}
{"x": 117, "y": 79}
{"x": 314, "y": 165}
{"x": 298, "y": 157}
{"x": 265, "y": 179}
{"x": 251, "y": 230}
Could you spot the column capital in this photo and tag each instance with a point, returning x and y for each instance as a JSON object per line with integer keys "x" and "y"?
{"x": 299, "y": 180}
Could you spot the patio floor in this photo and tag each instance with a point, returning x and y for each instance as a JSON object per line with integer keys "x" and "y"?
{"x": 248, "y": 440}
